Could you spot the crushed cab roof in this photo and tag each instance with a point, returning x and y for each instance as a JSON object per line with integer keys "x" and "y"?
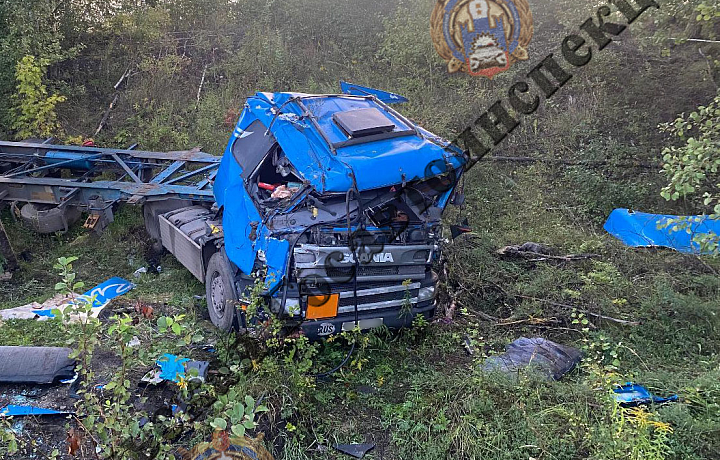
{"x": 328, "y": 157}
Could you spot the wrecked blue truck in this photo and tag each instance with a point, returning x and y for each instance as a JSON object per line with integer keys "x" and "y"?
{"x": 335, "y": 201}
{"x": 328, "y": 206}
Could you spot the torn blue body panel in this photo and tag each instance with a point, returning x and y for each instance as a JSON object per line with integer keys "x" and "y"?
{"x": 106, "y": 291}
{"x": 100, "y": 295}
{"x": 639, "y": 229}
{"x": 632, "y": 395}
{"x": 12, "y": 410}
{"x": 310, "y": 135}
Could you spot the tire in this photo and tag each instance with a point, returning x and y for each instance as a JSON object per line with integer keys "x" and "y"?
{"x": 220, "y": 292}
{"x": 46, "y": 218}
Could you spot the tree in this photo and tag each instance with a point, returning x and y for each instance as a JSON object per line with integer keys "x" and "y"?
{"x": 693, "y": 168}
{"x": 35, "y": 108}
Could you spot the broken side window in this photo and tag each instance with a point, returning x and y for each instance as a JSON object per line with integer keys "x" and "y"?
{"x": 274, "y": 180}
{"x": 251, "y": 146}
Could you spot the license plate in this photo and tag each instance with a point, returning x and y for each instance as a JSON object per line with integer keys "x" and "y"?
{"x": 363, "y": 324}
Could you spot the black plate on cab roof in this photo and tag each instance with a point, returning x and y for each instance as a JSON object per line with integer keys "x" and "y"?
{"x": 363, "y": 122}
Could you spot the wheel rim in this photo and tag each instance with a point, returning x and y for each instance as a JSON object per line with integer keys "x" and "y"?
{"x": 217, "y": 294}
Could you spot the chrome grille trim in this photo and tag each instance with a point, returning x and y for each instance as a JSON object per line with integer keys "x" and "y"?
{"x": 375, "y": 306}
{"x": 382, "y": 290}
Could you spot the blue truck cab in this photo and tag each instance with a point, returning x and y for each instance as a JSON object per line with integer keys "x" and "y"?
{"x": 333, "y": 202}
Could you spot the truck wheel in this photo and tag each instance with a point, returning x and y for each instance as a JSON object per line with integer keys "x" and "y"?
{"x": 220, "y": 291}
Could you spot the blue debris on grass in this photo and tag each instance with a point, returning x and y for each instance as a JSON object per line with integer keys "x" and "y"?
{"x": 13, "y": 410}
{"x": 640, "y": 229}
{"x": 175, "y": 368}
{"x": 632, "y": 395}
{"x": 100, "y": 295}
{"x": 172, "y": 367}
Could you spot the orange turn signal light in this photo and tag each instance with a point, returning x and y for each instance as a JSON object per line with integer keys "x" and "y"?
{"x": 322, "y": 306}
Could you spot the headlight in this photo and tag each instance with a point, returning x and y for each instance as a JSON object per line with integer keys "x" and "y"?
{"x": 292, "y": 306}
{"x": 426, "y": 293}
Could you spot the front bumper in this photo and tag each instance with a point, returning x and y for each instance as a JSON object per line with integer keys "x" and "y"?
{"x": 395, "y": 318}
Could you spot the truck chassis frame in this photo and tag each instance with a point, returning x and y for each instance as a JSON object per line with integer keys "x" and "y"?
{"x": 70, "y": 176}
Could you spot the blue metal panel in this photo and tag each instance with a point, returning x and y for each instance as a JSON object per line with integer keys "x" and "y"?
{"x": 374, "y": 164}
{"x": 13, "y": 410}
{"x": 641, "y": 229}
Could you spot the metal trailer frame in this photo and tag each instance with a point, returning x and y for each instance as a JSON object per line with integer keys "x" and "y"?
{"x": 138, "y": 183}
{"x": 73, "y": 176}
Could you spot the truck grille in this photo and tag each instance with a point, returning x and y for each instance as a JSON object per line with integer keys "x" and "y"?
{"x": 343, "y": 287}
{"x": 378, "y": 298}
{"x": 382, "y": 297}
{"x": 367, "y": 270}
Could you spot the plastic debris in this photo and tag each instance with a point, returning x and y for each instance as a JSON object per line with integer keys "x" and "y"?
{"x": 71, "y": 380}
{"x": 355, "y": 450}
{"x": 35, "y": 364}
{"x": 639, "y": 229}
{"x": 174, "y": 368}
{"x": 632, "y": 395}
{"x": 461, "y": 228}
{"x": 550, "y": 359}
{"x": 100, "y": 296}
{"x": 12, "y": 410}
{"x": 152, "y": 377}
{"x": 200, "y": 366}
{"x": 139, "y": 272}
{"x": 35, "y": 310}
